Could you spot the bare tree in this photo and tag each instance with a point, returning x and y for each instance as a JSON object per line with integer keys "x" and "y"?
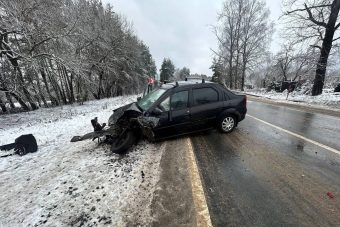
{"x": 293, "y": 63}
{"x": 244, "y": 33}
{"x": 315, "y": 21}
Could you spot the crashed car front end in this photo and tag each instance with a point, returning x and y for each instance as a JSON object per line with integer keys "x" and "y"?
{"x": 118, "y": 113}
{"x": 127, "y": 124}
{"x": 128, "y": 117}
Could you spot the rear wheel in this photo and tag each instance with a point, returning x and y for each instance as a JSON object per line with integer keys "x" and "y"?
{"x": 227, "y": 123}
{"x": 124, "y": 142}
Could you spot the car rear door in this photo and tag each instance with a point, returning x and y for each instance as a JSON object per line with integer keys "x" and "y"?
{"x": 206, "y": 104}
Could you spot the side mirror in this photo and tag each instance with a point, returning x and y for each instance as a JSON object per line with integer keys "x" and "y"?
{"x": 139, "y": 98}
{"x": 157, "y": 111}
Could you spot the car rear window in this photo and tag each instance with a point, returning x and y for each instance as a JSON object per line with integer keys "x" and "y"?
{"x": 203, "y": 96}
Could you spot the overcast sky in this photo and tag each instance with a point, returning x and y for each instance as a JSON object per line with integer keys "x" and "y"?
{"x": 180, "y": 29}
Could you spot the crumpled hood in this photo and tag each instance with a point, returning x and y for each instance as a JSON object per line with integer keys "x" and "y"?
{"x": 118, "y": 113}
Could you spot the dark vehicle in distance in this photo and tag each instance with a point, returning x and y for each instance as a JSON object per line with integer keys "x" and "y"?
{"x": 337, "y": 88}
{"x": 173, "y": 109}
{"x": 283, "y": 85}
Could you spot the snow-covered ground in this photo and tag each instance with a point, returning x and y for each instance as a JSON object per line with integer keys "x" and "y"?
{"x": 65, "y": 183}
{"x": 327, "y": 99}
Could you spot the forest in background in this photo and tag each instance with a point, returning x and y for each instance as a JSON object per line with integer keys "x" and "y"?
{"x": 60, "y": 52}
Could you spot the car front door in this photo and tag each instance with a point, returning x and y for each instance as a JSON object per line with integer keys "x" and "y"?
{"x": 175, "y": 115}
{"x": 206, "y": 105}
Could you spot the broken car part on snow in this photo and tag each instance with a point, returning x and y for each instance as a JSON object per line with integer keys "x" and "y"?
{"x": 23, "y": 144}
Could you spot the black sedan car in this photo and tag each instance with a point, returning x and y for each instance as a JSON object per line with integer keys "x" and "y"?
{"x": 173, "y": 109}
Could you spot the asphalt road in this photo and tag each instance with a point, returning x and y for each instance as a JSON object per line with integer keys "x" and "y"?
{"x": 275, "y": 169}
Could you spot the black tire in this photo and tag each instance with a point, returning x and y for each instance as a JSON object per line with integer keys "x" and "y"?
{"x": 227, "y": 123}
{"x": 121, "y": 145}
{"x": 20, "y": 150}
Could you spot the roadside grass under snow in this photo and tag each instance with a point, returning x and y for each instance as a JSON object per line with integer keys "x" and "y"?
{"x": 328, "y": 98}
{"x": 65, "y": 183}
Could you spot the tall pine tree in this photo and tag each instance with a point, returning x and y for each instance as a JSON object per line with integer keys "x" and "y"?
{"x": 148, "y": 62}
{"x": 167, "y": 70}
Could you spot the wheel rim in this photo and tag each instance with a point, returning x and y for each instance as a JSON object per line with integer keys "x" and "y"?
{"x": 228, "y": 124}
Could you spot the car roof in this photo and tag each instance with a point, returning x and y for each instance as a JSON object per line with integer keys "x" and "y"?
{"x": 186, "y": 83}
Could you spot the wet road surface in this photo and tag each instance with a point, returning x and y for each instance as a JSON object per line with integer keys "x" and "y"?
{"x": 260, "y": 175}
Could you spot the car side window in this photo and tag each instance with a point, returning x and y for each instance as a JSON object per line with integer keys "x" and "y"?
{"x": 203, "y": 96}
{"x": 179, "y": 100}
{"x": 165, "y": 105}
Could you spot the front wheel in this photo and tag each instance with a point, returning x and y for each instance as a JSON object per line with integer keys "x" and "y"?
{"x": 124, "y": 142}
{"x": 227, "y": 124}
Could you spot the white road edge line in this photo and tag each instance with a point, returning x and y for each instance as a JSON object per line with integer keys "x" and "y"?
{"x": 201, "y": 206}
{"x": 298, "y": 136}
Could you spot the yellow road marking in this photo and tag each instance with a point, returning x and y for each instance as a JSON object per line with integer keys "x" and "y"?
{"x": 201, "y": 207}
{"x": 298, "y": 136}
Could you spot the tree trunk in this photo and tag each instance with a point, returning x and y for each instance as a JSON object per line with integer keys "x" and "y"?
{"x": 21, "y": 102}
{"x": 236, "y": 67}
{"x": 26, "y": 92}
{"x": 54, "y": 101}
{"x": 244, "y": 64}
{"x": 10, "y": 101}
{"x": 14, "y": 62}
{"x": 3, "y": 106}
{"x": 62, "y": 85}
{"x": 108, "y": 90}
{"x": 54, "y": 83}
{"x": 230, "y": 72}
{"x": 230, "y": 61}
{"x": 15, "y": 96}
{"x": 36, "y": 95}
{"x": 325, "y": 50}
{"x": 100, "y": 85}
{"x": 70, "y": 86}
{"x": 62, "y": 89}
{"x": 238, "y": 47}
{"x": 41, "y": 93}
{"x": 243, "y": 76}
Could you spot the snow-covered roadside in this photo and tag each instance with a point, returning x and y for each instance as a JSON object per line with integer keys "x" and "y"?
{"x": 74, "y": 183}
{"x": 327, "y": 99}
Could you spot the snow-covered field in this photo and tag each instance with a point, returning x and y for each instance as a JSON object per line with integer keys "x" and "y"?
{"x": 326, "y": 99}
{"x": 76, "y": 184}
